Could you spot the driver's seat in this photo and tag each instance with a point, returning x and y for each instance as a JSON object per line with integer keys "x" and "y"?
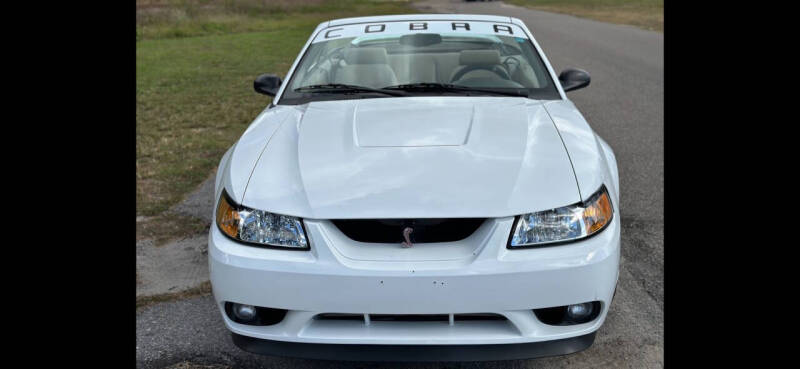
{"x": 479, "y": 64}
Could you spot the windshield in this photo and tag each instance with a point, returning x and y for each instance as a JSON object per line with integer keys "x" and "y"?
{"x": 419, "y": 58}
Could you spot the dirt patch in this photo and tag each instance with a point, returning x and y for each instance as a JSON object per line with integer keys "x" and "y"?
{"x": 162, "y": 229}
{"x": 174, "y": 267}
{"x": 190, "y": 217}
{"x": 204, "y": 289}
{"x": 172, "y": 249}
{"x": 199, "y": 204}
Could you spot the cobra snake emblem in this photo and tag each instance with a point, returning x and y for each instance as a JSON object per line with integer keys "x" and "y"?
{"x": 406, "y": 233}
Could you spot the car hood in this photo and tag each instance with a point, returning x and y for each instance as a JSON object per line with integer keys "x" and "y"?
{"x": 413, "y": 157}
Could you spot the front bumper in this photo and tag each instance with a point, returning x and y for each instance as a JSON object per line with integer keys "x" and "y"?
{"x": 475, "y": 275}
{"x": 325, "y": 351}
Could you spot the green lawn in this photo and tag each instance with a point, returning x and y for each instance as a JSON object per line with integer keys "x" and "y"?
{"x": 647, "y": 14}
{"x": 195, "y": 65}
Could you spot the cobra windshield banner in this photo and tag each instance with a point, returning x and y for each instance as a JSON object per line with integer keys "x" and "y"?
{"x": 402, "y": 28}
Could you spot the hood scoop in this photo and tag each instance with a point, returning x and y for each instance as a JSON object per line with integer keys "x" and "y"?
{"x": 413, "y": 124}
{"x": 414, "y": 158}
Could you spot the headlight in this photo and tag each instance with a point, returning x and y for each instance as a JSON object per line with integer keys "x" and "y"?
{"x": 259, "y": 227}
{"x": 563, "y": 224}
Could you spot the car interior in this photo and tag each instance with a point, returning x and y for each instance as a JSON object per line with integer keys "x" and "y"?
{"x": 485, "y": 64}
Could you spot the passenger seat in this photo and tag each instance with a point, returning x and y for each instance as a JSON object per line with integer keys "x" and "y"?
{"x": 366, "y": 67}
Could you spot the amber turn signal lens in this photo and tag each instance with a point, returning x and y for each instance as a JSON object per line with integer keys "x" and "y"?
{"x": 597, "y": 213}
{"x": 227, "y": 217}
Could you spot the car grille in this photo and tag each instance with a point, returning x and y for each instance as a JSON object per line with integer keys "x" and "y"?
{"x": 425, "y": 230}
{"x": 412, "y": 317}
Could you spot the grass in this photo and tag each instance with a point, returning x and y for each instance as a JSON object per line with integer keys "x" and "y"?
{"x": 189, "y": 18}
{"x": 647, "y": 14}
{"x": 195, "y": 65}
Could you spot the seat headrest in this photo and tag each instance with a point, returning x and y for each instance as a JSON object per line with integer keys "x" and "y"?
{"x": 365, "y": 55}
{"x": 479, "y": 57}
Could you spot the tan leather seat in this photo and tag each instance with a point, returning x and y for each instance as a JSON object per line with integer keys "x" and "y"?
{"x": 366, "y": 67}
{"x": 479, "y": 64}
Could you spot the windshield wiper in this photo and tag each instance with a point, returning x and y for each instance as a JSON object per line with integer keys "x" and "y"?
{"x": 343, "y": 88}
{"x": 446, "y": 87}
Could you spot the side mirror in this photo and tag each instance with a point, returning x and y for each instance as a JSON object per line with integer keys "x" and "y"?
{"x": 267, "y": 84}
{"x": 573, "y": 79}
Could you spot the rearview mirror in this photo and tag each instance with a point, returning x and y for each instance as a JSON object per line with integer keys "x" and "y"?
{"x": 421, "y": 39}
{"x": 267, "y": 84}
{"x": 573, "y": 79}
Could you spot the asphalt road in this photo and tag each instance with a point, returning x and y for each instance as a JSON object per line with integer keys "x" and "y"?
{"x": 624, "y": 104}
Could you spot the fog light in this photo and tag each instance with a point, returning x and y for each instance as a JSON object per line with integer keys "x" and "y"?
{"x": 244, "y": 312}
{"x": 579, "y": 311}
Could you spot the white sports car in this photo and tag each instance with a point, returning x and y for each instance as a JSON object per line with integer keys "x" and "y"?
{"x": 420, "y": 188}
